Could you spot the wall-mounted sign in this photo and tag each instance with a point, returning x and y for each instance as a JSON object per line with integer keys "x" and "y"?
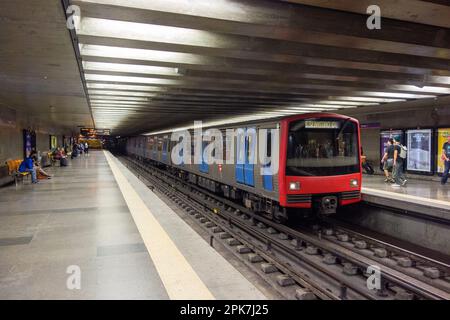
{"x": 94, "y": 132}
{"x": 87, "y": 131}
{"x": 442, "y": 136}
{"x": 371, "y": 125}
{"x": 103, "y": 132}
{"x": 419, "y": 150}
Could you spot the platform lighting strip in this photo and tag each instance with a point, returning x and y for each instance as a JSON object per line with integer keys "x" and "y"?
{"x": 146, "y": 32}
{"x": 347, "y": 103}
{"x": 365, "y": 99}
{"x": 111, "y": 86}
{"x": 158, "y": 33}
{"x": 138, "y": 54}
{"x": 118, "y": 52}
{"x": 122, "y": 102}
{"x": 129, "y": 68}
{"x": 121, "y": 93}
{"x": 118, "y": 98}
{"x": 128, "y": 79}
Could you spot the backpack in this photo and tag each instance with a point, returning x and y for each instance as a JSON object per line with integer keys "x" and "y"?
{"x": 63, "y": 162}
{"x": 403, "y": 151}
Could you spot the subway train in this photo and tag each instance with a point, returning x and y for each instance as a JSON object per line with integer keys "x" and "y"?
{"x": 318, "y": 169}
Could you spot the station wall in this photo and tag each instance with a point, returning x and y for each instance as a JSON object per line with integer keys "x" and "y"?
{"x": 11, "y": 135}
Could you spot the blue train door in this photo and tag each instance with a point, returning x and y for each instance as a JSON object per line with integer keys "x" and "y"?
{"x": 204, "y": 167}
{"x": 250, "y": 148}
{"x": 267, "y": 170}
{"x": 240, "y": 156}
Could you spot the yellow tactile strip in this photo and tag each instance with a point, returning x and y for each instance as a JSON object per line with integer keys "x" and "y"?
{"x": 180, "y": 280}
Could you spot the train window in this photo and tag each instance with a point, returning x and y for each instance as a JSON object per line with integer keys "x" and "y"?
{"x": 225, "y": 145}
{"x": 269, "y": 143}
{"x": 248, "y": 147}
{"x": 321, "y": 147}
{"x": 240, "y": 148}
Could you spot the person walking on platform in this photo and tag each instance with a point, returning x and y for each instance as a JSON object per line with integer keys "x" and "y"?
{"x": 81, "y": 148}
{"x": 388, "y": 160}
{"x": 399, "y": 176}
{"x": 446, "y": 159}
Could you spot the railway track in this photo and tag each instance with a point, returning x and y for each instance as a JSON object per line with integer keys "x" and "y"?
{"x": 430, "y": 270}
{"x": 323, "y": 263}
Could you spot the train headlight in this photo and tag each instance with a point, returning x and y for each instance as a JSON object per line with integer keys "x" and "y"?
{"x": 294, "y": 186}
{"x": 354, "y": 183}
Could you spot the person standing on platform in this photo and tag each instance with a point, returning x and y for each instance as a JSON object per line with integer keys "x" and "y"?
{"x": 446, "y": 158}
{"x": 399, "y": 177}
{"x": 81, "y": 148}
{"x": 86, "y": 149}
{"x": 388, "y": 160}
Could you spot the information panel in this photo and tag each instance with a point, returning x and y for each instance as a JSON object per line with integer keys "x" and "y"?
{"x": 89, "y": 132}
{"x": 419, "y": 150}
{"x": 442, "y": 134}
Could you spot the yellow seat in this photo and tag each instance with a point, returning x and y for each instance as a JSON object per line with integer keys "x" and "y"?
{"x": 13, "y": 167}
{"x": 13, "y": 170}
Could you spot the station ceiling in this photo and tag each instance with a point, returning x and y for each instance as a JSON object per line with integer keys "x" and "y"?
{"x": 39, "y": 74}
{"x": 151, "y": 65}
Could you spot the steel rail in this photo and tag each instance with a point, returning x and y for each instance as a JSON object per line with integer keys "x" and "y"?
{"x": 392, "y": 276}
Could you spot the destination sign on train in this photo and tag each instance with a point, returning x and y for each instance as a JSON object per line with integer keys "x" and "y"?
{"x": 311, "y": 124}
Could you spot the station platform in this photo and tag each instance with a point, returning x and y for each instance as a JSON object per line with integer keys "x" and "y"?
{"x": 95, "y": 231}
{"x": 429, "y": 198}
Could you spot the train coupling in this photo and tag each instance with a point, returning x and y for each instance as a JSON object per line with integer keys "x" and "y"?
{"x": 327, "y": 205}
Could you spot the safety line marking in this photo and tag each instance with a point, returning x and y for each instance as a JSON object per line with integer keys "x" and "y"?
{"x": 178, "y": 276}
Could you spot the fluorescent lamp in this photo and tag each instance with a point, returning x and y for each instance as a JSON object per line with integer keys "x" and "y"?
{"x": 111, "y": 86}
{"x": 128, "y": 68}
{"x": 138, "y": 54}
{"x": 366, "y": 99}
{"x": 115, "y": 98}
{"x": 109, "y": 78}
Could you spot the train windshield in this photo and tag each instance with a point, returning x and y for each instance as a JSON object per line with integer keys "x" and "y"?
{"x": 322, "y": 147}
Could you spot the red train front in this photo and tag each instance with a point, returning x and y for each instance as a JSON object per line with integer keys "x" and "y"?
{"x": 320, "y": 164}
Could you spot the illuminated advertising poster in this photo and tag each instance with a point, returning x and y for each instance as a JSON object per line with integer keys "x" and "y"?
{"x": 419, "y": 150}
{"x": 27, "y": 142}
{"x": 386, "y": 135}
{"x": 53, "y": 142}
{"x": 442, "y": 135}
